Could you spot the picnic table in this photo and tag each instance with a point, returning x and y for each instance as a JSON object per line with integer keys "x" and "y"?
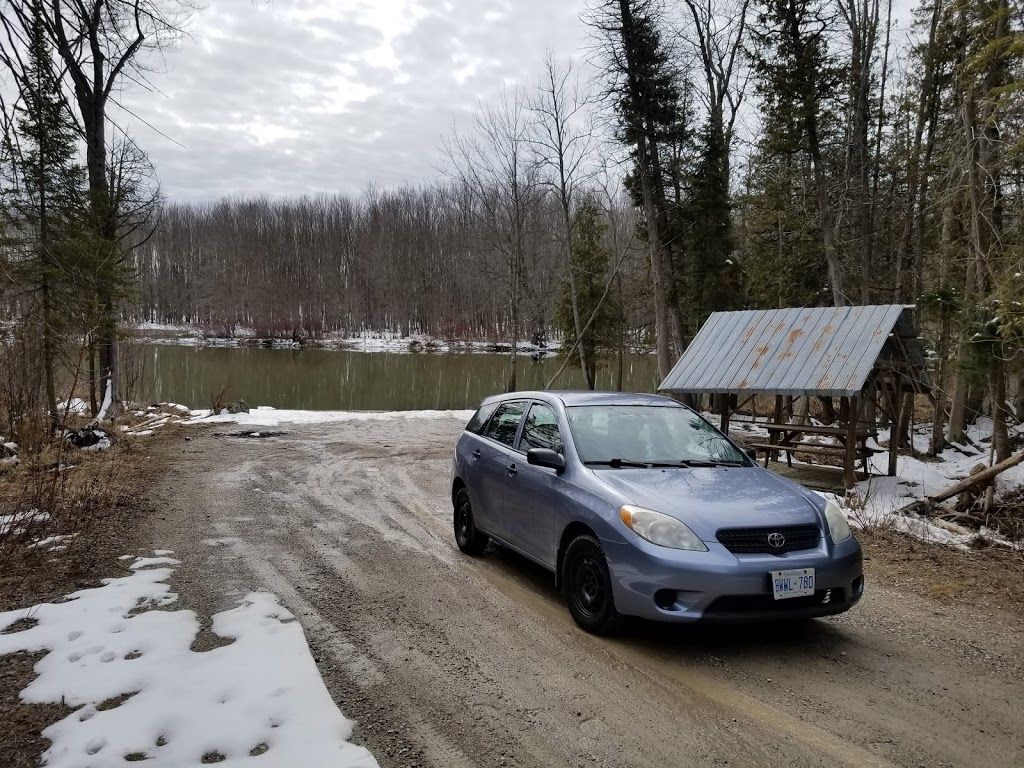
{"x": 792, "y": 438}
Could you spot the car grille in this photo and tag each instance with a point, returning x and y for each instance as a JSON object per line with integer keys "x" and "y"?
{"x": 757, "y": 540}
{"x": 768, "y": 603}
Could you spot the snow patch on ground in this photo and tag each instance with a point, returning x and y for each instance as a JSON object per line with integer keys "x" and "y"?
{"x": 74, "y": 405}
{"x": 17, "y": 522}
{"x": 53, "y": 542}
{"x": 149, "y": 562}
{"x": 883, "y": 500}
{"x": 268, "y": 416}
{"x": 259, "y": 698}
{"x": 271, "y": 417}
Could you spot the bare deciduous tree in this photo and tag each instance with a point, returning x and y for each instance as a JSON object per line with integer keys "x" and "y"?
{"x": 493, "y": 164}
{"x": 563, "y": 138}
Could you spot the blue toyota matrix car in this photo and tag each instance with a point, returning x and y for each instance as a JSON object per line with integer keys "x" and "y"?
{"x": 641, "y": 508}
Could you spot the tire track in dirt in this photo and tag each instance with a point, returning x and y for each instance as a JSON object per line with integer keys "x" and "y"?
{"x": 451, "y": 661}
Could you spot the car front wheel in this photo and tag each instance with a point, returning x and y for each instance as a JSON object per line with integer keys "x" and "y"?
{"x": 587, "y": 585}
{"x": 467, "y": 536}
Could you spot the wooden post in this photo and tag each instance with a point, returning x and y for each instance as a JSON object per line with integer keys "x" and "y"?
{"x": 894, "y": 430}
{"x": 849, "y": 477}
{"x": 726, "y": 402}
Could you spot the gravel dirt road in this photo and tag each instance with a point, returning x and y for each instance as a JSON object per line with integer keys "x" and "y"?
{"x": 448, "y": 661}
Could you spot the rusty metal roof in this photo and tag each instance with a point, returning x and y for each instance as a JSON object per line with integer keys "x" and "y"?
{"x": 827, "y": 351}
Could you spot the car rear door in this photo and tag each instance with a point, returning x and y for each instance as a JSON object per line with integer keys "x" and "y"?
{"x": 490, "y": 456}
{"x": 534, "y": 497}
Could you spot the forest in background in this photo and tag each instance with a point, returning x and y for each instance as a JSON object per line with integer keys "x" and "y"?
{"x": 711, "y": 155}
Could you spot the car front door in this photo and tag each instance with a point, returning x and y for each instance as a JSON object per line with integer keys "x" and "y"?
{"x": 491, "y": 457}
{"x": 532, "y": 501}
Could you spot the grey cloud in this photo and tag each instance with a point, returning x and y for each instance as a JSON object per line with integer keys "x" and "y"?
{"x": 249, "y": 65}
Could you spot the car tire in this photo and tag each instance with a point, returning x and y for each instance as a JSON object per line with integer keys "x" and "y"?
{"x": 587, "y": 587}
{"x": 467, "y": 536}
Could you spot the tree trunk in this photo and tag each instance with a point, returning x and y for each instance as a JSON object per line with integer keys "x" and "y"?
{"x": 1018, "y": 400}
{"x": 94, "y": 406}
{"x": 513, "y": 311}
{"x": 45, "y": 275}
{"x": 810, "y": 119}
{"x": 997, "y": 390}
{"x": 577, "y": 322}
{"x": 649, "y": 197}
{"x": 828, "y": 410}
{"x": 622, "y": 333}
{"x": 939, "y": 389}
{"x": 958, "y": 408}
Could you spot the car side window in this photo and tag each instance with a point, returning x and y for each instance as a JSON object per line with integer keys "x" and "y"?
{"x": 541, "y": 430}
{"x": 479, "y": 421}
{"x": 502, "y": 426}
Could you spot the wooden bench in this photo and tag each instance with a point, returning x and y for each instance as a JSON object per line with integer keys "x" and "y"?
{"x": 786, "y": 437}
{"x": 826, "y": 450}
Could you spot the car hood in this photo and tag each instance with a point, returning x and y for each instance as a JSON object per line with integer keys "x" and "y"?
{"x": 710, "y": 498}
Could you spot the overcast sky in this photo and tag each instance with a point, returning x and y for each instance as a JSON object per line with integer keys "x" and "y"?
{"x": 291, "y": 97}
{"x": 301, "y": 97}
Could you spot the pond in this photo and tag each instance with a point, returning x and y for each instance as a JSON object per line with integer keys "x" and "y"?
{"x": 320, "y": 379}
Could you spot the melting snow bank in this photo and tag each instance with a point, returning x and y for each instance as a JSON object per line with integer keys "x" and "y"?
{"x": 262, "y": 695}
{"x": 271, "y": 417}
{"x": 888, "y": 501}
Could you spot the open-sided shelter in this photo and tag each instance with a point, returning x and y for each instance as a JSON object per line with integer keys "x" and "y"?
{"x": 850, "y": 353}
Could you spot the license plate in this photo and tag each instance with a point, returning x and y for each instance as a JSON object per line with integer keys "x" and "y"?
{"x": 795, "y": 583}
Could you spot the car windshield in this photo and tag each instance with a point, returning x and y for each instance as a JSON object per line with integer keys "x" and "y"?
{"x": 627, "y": 435}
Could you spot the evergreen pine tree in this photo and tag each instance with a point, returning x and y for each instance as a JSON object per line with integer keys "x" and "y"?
{"x": 589, "y": 262}
{"x": 47, "y": 203}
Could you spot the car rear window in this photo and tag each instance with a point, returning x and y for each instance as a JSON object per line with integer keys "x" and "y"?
{"x": 479, "y": 421}
{"x": 505, "y": 423}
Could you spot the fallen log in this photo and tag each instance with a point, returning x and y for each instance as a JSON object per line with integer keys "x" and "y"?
{"x": 977, "y": 479}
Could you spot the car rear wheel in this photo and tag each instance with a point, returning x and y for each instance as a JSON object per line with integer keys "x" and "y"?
{"x": 467, "y": 536}
{"x": 587, "y": 585}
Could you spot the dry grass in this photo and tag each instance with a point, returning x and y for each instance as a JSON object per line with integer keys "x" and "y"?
{"x": 86, "y": 497}
{"x": 986, "y": 577}
{"x": 94, "y": 495}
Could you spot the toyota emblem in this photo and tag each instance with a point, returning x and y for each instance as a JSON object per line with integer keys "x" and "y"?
{"x": 776, "y": 540}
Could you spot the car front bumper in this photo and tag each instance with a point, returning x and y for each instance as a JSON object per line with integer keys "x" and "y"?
{"x": 664, "y": 584}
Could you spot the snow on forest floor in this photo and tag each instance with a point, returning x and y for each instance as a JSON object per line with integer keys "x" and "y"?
{"x": 156, "y": 416}
{"x": 265, "y": 416}
{"x": 365, "y": 341}
{"x": 123, "y": 661}
{"x": 884, "y": 501}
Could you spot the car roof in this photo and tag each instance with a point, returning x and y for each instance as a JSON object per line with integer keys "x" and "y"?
{"x": 571, "y": 397}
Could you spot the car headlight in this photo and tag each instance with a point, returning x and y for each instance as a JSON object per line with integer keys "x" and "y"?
{"x": 837, "y": 525}
{"x": 663, "y": 530}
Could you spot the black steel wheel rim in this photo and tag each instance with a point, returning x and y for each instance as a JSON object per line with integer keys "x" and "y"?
{"x": 463, "y": 522}
{"x": 588, "y": 586}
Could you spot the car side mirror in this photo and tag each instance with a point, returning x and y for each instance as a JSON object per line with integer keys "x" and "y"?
{"x": 751, "y": 453}
{"x": 545, "y": 457}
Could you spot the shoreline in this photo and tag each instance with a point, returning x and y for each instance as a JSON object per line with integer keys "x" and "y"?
{"x": 369, "y": 342}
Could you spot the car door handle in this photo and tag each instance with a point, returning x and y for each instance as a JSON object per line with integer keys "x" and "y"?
{"x": 476, "y": 453}
{"x": 512, "y": 469}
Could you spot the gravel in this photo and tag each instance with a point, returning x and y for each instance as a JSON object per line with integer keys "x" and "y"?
{"x": 449, "y": 661}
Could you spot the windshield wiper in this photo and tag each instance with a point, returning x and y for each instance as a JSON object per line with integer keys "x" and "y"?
{"x": 616, "y": 463}
{"x": 697, "y": 463}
